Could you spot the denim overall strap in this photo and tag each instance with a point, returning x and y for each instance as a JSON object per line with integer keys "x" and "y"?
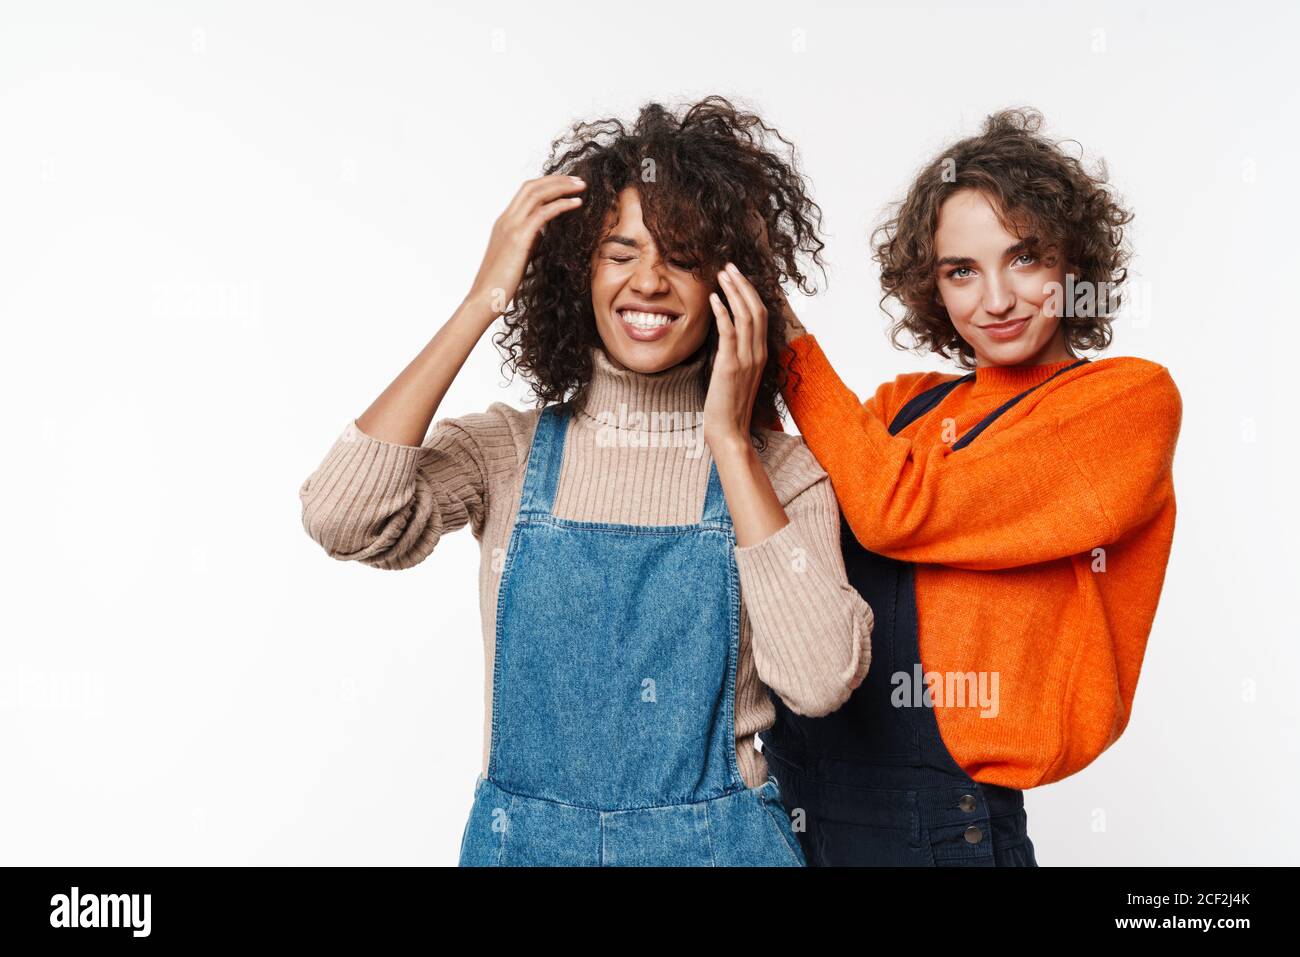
{"x": 545, "y": 456}
{"x": 543, "y": 475}
{"x": 715, "y": 513}
{"x": 876, "y": 781}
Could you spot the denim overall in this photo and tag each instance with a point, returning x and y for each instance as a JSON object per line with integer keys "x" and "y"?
{"x": 876, "y": 783}
{"x": 613, "y": 729}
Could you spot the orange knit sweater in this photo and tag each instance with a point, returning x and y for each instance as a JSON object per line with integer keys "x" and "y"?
{"x": 1040, "y": 548}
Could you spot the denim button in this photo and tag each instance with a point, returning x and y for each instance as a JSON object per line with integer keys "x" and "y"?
{"x": 974, "y": 835}
{"x": 967, "y": 802}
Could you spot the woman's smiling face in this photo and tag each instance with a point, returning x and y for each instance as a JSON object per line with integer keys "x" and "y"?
{"x": 996, "y": 286}
{"x": 651, "y": 314}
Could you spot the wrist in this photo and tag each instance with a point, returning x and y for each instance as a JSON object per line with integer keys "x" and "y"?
{"x": 731, "y": 448}
{"x": 478, "y": 308}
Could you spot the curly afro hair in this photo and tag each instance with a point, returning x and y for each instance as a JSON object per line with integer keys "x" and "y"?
{"x": 705, "y": 175}
{"x": 1033, "y": 184}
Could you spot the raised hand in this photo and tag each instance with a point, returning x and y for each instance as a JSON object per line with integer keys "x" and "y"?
{"x": 756, "y": 512}
{"x": 403, "y": 411}
{"x": 739, "y": 363}
{"x": 514, "y": 234}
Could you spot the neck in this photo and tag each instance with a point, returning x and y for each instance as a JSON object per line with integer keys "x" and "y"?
{"x": 1016, "y": 378}
{"x": 667, "y": 401}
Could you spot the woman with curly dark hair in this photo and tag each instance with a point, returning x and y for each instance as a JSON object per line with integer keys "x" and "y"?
{"x": 656, "y": 566}
{"x": 1010, "y": 525}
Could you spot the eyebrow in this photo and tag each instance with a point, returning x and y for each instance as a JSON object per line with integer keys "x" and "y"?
{"x": 621, "y": 241}
{"x": 1025, "y": 245}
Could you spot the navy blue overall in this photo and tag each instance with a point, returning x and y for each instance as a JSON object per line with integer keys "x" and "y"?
{"x": 875, "y": 783}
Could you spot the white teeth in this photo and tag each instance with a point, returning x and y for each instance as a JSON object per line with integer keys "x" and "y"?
{"x": 645, "y": 320}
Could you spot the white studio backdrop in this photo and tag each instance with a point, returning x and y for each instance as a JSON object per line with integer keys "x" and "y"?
{"x": 226, "y": 227}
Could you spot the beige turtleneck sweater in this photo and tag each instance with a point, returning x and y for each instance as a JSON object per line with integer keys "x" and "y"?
{"x": 805, "y": 632}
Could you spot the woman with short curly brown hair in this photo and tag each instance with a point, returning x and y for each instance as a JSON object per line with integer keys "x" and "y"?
{"x": 1010, "y": 526}
{"x": 1063, "y": 213}
{"x": 656, "y": 567}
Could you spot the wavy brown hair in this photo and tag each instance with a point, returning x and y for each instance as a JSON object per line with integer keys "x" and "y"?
{"x": 705, "y": 174}
{"x": 1035, "y": 186}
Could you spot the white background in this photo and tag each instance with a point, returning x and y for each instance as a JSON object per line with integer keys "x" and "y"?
{"x": 225, "y": 227}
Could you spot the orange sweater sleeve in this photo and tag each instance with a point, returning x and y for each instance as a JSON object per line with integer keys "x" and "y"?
{"x": 1088, "y": 465}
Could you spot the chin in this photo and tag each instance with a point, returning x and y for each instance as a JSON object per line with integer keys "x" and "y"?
{"x": 646, "y": 357}
{"x": 1002, "y": 354}
{"x": 1017, "y": 351}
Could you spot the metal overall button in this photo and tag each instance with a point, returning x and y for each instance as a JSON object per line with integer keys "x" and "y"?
{"x": 974, "y": 835}
{"x": 967, "y": 802}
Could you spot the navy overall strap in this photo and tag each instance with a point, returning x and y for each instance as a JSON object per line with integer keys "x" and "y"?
{"x": 920, "y": 404}
{"x": 545, "y": 456}
{"x": 989, "y": 419}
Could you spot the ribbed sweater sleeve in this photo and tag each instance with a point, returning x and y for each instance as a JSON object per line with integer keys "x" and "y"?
{"x": 811, "y": 628}
{"x": 387, "y": 505}
{"x": 1092, "y": 463}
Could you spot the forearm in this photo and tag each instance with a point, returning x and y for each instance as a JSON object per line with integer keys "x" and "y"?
{"x": 388, "y": 504}
{"x": 756, "y": 512}
{"x": 403, "y": 411}
{"x": 1091, "y": 463}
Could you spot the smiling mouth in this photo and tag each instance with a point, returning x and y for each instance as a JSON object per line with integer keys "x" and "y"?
{"x": 639, "y": 319}
{"x": 1005, "y": 325}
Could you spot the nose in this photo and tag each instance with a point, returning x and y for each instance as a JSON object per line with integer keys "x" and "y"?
{"x": 999, "y": 298}
{"x": 649, "y": 278}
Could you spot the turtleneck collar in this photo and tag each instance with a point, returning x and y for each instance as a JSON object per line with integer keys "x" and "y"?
{"x": 993, "y": 379}
{"x": 668, "y": 401}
